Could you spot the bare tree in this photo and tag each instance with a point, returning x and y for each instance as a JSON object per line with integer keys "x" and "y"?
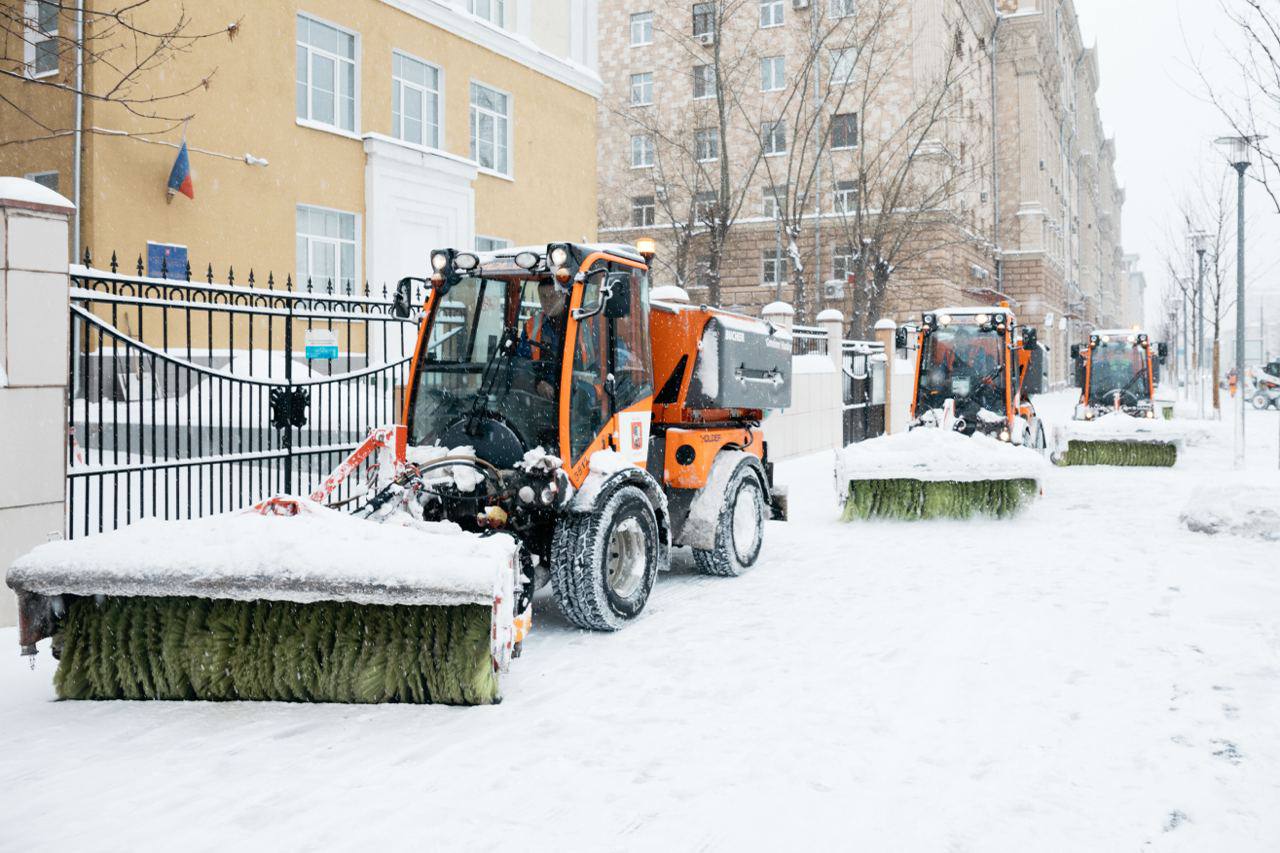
{"x": 127, "y": 45}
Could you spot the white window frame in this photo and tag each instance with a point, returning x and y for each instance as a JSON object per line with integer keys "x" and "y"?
{"x": 493, "y": 6}
{"x": 36, "y": 176}
{"x": 841, "y": 257}
{"x": 839, "y": 56}
{"x": 775, "y": 267}
{"x": 651, "y": 207}
{"x": 338, "y": 60}
{"x": 842, "y": 8}
{"x": 771, "y": 206}
{"x": 857, "y": 133}
{"x": 772, "y": 13}
{"x": 33, "y": 37}
{"x": 641, "y": 29}
{"x": 708, "y": 137}
{"x": 337, "y": 243}
{"x": 709, "y": 17}
{"x": 709, "y": 83}
{"x": 397, "y": 128}
{"x": 494, "y": 244}
{"x": 773, "y": 73}
{"x": 510, "y": 124}
{"x": 642, "y": 151}
{"x": 700, "y": 205}
{"x": 770, "y": 133}
{"x": 642, "y": 83}
{"x": 842, "y": 195}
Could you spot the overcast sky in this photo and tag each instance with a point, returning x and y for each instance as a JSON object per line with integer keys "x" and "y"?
{"x": 1152, "y": 103}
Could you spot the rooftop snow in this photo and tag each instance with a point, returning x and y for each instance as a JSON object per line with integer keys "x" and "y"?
{"x": 317, "y": 555}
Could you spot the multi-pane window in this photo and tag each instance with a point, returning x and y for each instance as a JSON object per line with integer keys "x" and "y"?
{"x": 772, "y": 74}
{"x": 415, "y": 101}
{"x": 843, "y": 62}
{"x": 846, "y": 196}
{"x": 493, "y": 11}
{"x": 704, "y": 206}
{"x": 641, "y": 151}
{"x": 774, "y": 197}
{"x": 844, "y": 130}
{"x": 643, "y": 211}
{"x": 48, "y": 180}
{"x": 843, "y": 8}
{"x": 490, "y": 128}
{"x": 326, "y": 247}
{"x": 491, "y": 244}
{"x": 704, "y": 81}
{"x": 702, "y": 271}
{"x": 704, "y": 19}
{"x": 706, "y": 144}
{"x": 842, "y": 262}
{"x": 776, "y": 266}
{"x": 771, "y": 13}
{"x": 642, "y": 89}
{"x": 40, "y": 43}
{"x": 773, "y": 136}
{"x": 641, "y": 28}
{"x": 326, "y": 78}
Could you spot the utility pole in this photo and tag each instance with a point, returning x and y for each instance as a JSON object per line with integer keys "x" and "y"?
{"x": 1200, "y": 241}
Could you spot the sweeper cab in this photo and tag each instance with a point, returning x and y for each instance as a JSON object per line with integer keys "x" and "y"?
{"x": 1117, "y": 371}
{"x": 560, "y": 426}
{"x": 973, "y": 374}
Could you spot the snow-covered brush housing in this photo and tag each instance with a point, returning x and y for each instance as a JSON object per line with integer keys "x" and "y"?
{"x": 1121, "y": 439}
{"x": 936, "y": 473}
{"x": 1252, "y": 512}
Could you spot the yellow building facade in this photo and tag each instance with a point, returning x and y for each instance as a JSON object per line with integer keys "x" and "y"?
{"x": 333, "y": 140}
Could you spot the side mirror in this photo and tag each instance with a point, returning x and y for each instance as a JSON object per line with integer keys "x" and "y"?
{"x": 1075, "y": 352}
{"x": 1029, "y": 337}
{"x": 618, "y": 299}
{"x": 900, "y": 337}
{"x": 1162, "y": 351}
{"x": 402, "y": 304}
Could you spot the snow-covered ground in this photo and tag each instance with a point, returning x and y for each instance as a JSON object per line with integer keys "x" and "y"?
{"x": 1090, "y": 675}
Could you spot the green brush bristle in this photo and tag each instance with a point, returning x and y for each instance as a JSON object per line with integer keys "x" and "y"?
{"x": 216, "y": 650}
{"x": 1126, "y": 453}
{"x": 923, "y": 499}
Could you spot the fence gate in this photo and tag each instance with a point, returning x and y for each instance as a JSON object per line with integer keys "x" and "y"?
{"x": 864, "y": 378}
{"x": 189, "y": 399}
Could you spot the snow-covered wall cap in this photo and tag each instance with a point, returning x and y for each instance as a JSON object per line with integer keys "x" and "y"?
{"x": 777, "y": 309}
{"x": 19, "y": 192}
{"x": 669, "y": 293}
{"x": 885, "y": 323}
{"x": 830, "y": 315}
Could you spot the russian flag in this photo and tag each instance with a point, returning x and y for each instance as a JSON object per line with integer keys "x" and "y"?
{"x": 180, "y": 174}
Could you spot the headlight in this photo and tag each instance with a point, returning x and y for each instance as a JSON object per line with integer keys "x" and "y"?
{"x": 527, "y": 260}
{"x": 466, "y": 261}
{"x": 980, "y": 319}
{"x": 944, "y": 319}
{"x": 1151, "y": 414}
{"x": 559, "y": 255}
{"x": 1004, "y": 435}
{"x": 439, "y": 260}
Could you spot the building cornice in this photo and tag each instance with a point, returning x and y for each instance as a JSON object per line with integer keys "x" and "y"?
{"x": 513, "y": 46}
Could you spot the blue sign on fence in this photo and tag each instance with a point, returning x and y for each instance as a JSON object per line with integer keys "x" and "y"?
{"x": 322, "y": 344}
{"x": 166, "y": 260}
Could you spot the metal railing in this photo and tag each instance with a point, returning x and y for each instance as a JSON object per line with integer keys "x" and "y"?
{"x": 809, "y": 340}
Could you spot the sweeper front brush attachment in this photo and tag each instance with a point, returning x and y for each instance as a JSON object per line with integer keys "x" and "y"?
{"x": 922, "y": 499}
{"x": 1122, "y": 453}
{"x": 314, "y": 607}
{"x": 936, "y": 473}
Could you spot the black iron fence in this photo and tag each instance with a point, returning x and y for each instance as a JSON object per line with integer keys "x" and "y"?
{"x": 192, "y": 398}
{"x": 865, "y": 372}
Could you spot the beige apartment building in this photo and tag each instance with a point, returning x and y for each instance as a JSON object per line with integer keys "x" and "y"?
{"x": 1016, "y": 172}
{"x": 333, "y": 140}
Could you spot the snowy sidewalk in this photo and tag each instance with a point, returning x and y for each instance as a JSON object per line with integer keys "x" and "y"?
{"x": 1087, "y": 676}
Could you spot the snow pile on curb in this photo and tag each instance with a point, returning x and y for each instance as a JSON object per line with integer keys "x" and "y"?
{"x": 937, "y": 455}
{"x": 1238, "y": 510}
{"x": 1118, "y": 426}
{"x": 317, "y": 555}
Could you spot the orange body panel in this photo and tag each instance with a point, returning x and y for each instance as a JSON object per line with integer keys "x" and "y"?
{"x": 677, "y": 335}
{"x": 707, "y": 444}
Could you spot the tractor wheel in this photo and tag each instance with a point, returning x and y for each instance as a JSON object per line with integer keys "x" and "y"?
{"x": 1040, "y": 444}
{"x": 603, "y": 565}
{"x": 1261, "y": 402}
{"x": 739, "y": 529}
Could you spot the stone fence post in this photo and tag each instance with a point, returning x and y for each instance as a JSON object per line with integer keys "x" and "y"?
{"x": 832, "y": 322}
{"x": 779, "y": 314}
{"x": 34, "y": 315}
{"x": 885, "y": 333}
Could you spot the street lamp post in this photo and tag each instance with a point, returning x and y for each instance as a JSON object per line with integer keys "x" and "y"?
{"x": 1200, "y": 241}
{"x": 1240, "y": 156}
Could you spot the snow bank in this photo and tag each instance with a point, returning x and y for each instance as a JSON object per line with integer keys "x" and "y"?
{"x": 938, "y": 455}
{"x": 317, "y": 555}
{"x": 1238, "y": 510}
{"x": 1118, "y": 426}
